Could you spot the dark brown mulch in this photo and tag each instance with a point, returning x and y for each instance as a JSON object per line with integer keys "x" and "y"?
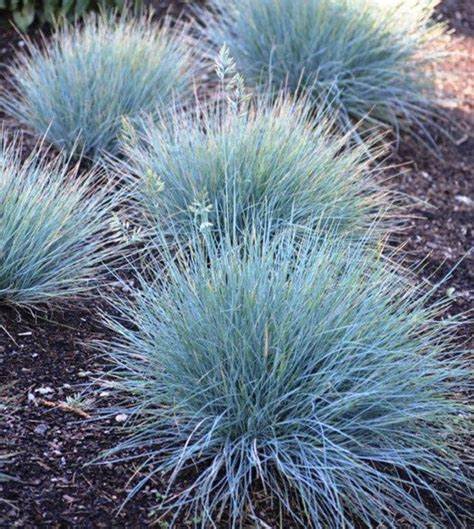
{"x": 443, "y": 231}
{"x": 45, "y": 359}
{"x": 460, "y": 14}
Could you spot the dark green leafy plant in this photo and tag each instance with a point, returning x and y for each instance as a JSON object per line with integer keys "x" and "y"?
{"x": 308, "y": 370}
{"x": 25, "y": 12}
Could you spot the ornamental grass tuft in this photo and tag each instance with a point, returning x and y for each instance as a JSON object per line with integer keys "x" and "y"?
{"x": 76, "y": 87}
{"x": 306, "y": 372}
{"x": 239, "y": 162}
{"x": 368, "y": 61}
{"x": 56, "y": 228}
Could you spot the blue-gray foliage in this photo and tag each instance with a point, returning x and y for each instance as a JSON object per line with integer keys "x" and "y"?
{"x": 77, "y": 87}
{"x": 369, "y": 61}
{"x": 238, "y": 163}
{"x": 56, "y": 229}
{"x": 304, "y": 368}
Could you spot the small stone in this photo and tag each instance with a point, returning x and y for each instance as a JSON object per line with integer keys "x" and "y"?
{"x": 41, "y": 429}
{"x": 44, "y": 391}
{"x": 121, "y": 417}
{"x": 465, "y": 200}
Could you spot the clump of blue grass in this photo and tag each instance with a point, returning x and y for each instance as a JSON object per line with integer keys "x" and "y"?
{"x": 232, "y": 164}
{"x": 369, "y": 61}
{"x": 303, "y": 368}
{"x": 76, "y": 87}
{"x": 56, "y": 227}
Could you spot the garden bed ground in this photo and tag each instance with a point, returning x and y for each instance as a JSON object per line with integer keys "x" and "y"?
{"x": 44, "y": 359}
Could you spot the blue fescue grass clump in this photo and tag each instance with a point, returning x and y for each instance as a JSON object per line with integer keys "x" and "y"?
{"x": 308, "y": 370}
{"x": 239, "y": 160}
{"x": 76, "y": 87}
{"x": 369, "y": 61}
{"x": 56, "y": 229}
